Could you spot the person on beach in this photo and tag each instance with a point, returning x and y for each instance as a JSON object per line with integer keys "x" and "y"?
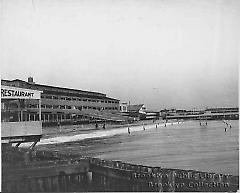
{"x": 96, "y": 126}
{"x": 129, "y": 131}
{"x": 156, "y": 126}
{"x": 143, "y": 127}
{"x": 59, "y": 126}
{"x": 104, "y": 126}
{"x": 225, "y": 129}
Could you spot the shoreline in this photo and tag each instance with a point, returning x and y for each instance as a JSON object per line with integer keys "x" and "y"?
{"x": 77, "y": 133}
{"x": 106, "y": 145}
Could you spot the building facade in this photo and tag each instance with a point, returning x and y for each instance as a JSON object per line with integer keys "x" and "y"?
{"x": 14, "y": 127}
{"x": 64, "y": 104}
{"x": 123, "y": 107}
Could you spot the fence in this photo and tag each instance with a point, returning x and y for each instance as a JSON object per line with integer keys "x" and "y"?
{"x": 93, "y": 174}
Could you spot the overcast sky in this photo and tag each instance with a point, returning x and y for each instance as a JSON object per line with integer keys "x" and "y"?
{"x": 163, "y": 53}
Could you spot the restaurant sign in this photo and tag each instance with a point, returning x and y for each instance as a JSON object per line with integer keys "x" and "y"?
{"x": 9, "y": 92}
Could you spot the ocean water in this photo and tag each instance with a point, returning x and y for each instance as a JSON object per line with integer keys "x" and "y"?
{"x": 187, "y": 146}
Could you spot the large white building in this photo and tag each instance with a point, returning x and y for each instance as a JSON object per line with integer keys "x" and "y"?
{"x": 60, "y": 104}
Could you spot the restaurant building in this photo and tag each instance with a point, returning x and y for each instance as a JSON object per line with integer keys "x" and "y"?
{"x": 59, "y": 105}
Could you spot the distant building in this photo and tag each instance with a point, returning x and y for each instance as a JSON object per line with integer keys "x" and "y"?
{"x": 123, "y": 107}
{"x": 209, "y": 113}
{"x": 222, "y": 110}
{"x": 138, "y": 112}
{"x": 152, "y": 115}
{"x": 60, "y": 104}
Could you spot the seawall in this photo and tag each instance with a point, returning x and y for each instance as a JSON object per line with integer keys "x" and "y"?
{"x": 93, "y": 174}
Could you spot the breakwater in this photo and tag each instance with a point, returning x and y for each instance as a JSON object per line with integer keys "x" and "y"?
{"x": 93, "y": 174}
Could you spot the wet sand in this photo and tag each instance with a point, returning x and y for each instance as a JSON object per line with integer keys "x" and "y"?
{"x": 186, "y": 146}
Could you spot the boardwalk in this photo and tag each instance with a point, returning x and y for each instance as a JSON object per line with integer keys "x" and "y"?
{"x": 92, "y": 174}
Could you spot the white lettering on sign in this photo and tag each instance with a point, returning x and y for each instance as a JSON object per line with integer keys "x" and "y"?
{"x": 8, "y": 92}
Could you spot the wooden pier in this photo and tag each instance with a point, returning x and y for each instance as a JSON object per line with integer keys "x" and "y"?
{"x": 93, "y": 174}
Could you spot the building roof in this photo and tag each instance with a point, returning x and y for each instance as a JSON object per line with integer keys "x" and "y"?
{"x": 52, "y": 89}
{"x": 135, "y": 107}
{"x": 222, "y": 108}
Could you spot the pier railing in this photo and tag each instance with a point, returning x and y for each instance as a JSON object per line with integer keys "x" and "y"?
{"x": 94, "y": 174}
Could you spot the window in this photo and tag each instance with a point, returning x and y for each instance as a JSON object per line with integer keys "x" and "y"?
{"x": 68, "y": 99}
{"x": 62, "y": 107}
{"x": 49, "y": 106}
{"x": 55, "y": 106}
{"x": 32, "y": 106}
{"x": 63, "y": 98}
{"x": 43, "y": 106}
{"x": 48, "y": 97}
{"x": 74, "y": 99}
{"x": 84, "y": 99}
{"x": 79, "y": 99}
{"x": 68, "y": 107}
{"x": 55, "y": 97}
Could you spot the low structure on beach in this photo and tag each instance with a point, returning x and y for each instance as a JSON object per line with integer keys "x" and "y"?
{"x": 208, "y": 113}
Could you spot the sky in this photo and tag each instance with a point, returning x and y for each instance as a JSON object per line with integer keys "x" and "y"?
{"x": 162, "y": 53}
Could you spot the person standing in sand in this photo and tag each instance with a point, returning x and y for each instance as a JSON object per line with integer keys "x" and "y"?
{"x": 59, "y": 126}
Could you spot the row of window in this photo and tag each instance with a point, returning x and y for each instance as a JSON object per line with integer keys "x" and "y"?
{"x": 76, "y": 99}
{"x": 70, "y": 107}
